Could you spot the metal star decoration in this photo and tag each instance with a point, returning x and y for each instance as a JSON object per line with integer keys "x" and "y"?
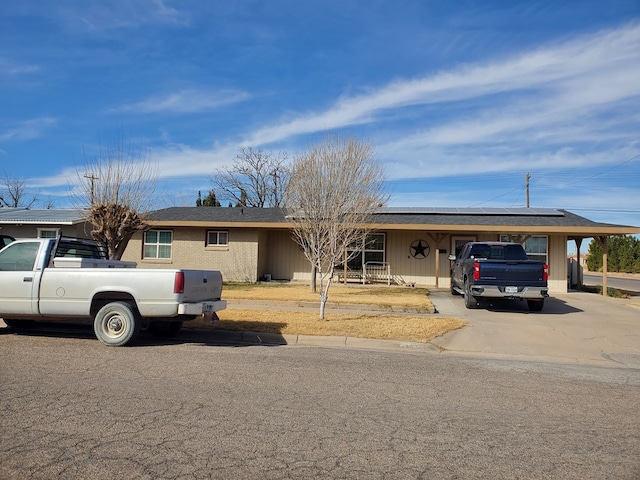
{"x": 419, "y": 249}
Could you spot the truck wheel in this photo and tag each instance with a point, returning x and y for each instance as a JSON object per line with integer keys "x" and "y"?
{"x": 116, "y": 324}
{"x": 535, "y": 305}
{"x": 453, "y": 289}
{"x": 469, "y": 300}
{"x": 164, "y": 329}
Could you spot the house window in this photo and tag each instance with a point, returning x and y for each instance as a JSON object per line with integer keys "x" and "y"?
{"x": 536, "y": 247}
{"x": 157, "y": 244}
{"x": 216, "y": 238}
{"x": 372, "y": 250}
{"x": 48, "y": 232}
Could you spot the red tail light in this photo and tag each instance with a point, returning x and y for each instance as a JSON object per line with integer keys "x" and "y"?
{"x": 476, "y": 270}
{"x": 545, "y": 274}
{"x": 178, "y": 283}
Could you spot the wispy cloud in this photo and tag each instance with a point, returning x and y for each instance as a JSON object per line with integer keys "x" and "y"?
{"x": 582, "y": 79}
{"x": 585, "y": 73}
{"x": 27, "y": 130}
{"x": 185, "y": 101}
{"x": 116, "y": 14}
{"x": 182, "y": 160}
{"x": 9, "y": 68}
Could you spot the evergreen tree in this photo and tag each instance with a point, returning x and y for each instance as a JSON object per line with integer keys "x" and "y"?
{"x": 594, "y": 260}
{"x": 209, "y": 201}
{"x": 623, "y": 254}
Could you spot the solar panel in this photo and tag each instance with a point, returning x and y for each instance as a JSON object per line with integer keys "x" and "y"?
{"x": 473, "y": 211}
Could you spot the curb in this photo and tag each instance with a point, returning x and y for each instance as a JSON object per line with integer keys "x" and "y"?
{"x": 276, "y": 339}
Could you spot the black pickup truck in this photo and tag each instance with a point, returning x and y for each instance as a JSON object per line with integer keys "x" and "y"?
{"x": 498, "y": 270}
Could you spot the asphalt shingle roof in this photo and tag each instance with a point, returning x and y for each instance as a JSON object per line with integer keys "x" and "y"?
{"x": 555, "y": 218}
{"x": 397, "y": 216}
{"x": 218, "y": 214}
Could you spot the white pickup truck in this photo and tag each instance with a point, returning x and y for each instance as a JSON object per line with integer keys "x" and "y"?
{"x": 71, "y": 280}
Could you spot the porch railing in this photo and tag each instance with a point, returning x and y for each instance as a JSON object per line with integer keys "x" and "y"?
{"x": 376, "y": 271}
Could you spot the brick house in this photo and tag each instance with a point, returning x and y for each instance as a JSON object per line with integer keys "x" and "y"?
{"x": 410, "y": 246}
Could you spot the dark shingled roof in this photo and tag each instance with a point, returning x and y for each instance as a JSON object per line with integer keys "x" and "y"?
{"x": 551, "y": 218}
{"x": 218, "y": 214}
{"x": 513, "y": 217}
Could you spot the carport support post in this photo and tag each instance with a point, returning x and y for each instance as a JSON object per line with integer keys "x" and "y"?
{"x": 437, "y": 264}
{"x": 437, "y": 239}
{"x": 603, "y": 243}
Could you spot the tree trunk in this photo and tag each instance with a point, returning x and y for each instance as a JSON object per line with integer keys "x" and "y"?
{"x": 324, "y": 293}
{"x": 323, "y": 303}
{"x": 313, "y": 287}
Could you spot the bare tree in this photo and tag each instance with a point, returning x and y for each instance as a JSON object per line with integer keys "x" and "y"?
{"x": 334, "y": 189}
{"x": 256, "y": 179}
{"x": 14, "y": 193}
{"x": 117, "y": 187}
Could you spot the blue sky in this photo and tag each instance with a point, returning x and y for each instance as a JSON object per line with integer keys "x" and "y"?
{"x": 460, "y": 99}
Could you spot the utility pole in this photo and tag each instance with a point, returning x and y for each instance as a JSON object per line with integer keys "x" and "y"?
{"x": 528, "y": 177}
{"x": 93, "y": 178}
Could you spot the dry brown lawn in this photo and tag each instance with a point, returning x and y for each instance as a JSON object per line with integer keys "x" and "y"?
{"x": 413, "y": 328}
{"x": 338, "y": 293}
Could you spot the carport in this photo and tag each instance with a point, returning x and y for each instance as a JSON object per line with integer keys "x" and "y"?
{"x": 602, "y": 239}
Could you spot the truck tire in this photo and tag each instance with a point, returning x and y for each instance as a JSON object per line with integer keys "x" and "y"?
{"x": 165, "y": 329}
{"x": 469, "y": 300}
{"x": 116, "y": 324}
{"x": 535, "y": 305}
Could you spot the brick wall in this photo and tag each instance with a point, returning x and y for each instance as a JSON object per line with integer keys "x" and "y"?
{"x": 238, "y": 261}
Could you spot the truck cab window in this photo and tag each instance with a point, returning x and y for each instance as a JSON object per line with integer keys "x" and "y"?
{"x": 19, "y": 256}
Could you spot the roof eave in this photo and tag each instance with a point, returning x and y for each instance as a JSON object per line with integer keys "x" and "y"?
{"x": 41, "y": 222}
{"x": 532, "y": 229}
{"x": 210, "y": 224}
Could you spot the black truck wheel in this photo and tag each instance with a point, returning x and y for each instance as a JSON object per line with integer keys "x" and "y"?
{"x": 116, "y": 324}
{"x": 469, "y": 300}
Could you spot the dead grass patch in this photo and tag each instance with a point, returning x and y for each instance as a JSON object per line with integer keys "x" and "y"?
{"x": 295, "y": 322}
{"x": 384, "y": 327}
{"x": 338, "y": 293}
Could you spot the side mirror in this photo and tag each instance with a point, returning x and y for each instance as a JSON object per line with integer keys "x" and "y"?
{"x": 452, "y": 258}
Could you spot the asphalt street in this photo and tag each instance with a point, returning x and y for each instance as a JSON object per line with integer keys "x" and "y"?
{"x": 206, "y": 406}
{"x": 629, "y": 283}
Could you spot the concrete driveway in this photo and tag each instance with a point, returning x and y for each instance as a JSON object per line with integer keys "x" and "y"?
{"x": 573, "y": 328}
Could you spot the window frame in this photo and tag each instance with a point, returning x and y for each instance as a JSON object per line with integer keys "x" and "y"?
{"x": 157, "y": 244}
{"x": 218, "y": 244}
{"x": 55, "y": 231}
{"x": 358, "y": 255}
{"x": 540, "y": 256}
